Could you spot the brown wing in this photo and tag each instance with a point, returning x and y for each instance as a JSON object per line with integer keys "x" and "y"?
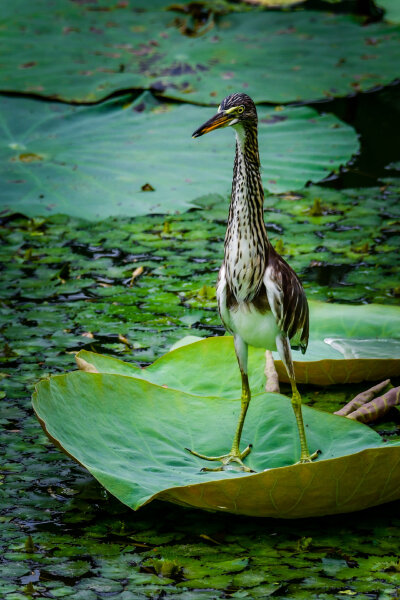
{"x": 287, "y": 299}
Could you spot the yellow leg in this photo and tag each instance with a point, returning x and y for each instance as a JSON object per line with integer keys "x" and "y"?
{"x": 245, "y": 401}
{"x": 234, "y": 456}
{"x": 305, "y": 456}
{"x": 283, "y": 346}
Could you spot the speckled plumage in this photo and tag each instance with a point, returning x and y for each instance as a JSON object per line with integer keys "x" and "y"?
{"x": 260, "y": 298}
{"x": 253, "y": 277}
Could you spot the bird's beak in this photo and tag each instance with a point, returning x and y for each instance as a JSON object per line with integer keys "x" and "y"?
{"x": 221, "y": 119}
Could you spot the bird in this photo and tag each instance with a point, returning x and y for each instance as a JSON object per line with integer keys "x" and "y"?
{"x": 260, "y": 298}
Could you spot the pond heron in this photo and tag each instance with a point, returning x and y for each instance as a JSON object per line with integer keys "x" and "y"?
{"x": 260, "y": 298}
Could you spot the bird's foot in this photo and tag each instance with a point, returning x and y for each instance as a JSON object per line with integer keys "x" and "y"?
{"x": 234, "y": 456}
{"x": 307, "y": 459}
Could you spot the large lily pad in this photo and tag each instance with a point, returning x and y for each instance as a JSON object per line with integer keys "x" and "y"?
{"x": 102, "y": 48}
{"x": 131, "y": 436}
{"x": 97, "y": 161}
{"x": 347, "y": 344}
{"x": 392, "y": 10}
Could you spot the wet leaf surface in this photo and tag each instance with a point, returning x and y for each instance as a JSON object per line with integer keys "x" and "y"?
{"x": 105, "y": 49}
{"x": 78, "y": 156}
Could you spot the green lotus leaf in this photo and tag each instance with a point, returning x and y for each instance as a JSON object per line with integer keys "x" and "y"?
{"x": 127, "y": 157}
{"x": 131, "y": 434}
{"x": 347, "y": 344}
{"x": 274, "y": 3}
{"x": 392, "y": 10}
{"x": 277, "y": 57}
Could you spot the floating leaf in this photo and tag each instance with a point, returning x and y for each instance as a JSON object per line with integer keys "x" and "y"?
{"x": 349, "y": 344}
{"x": 392, "y": 10}
{"x": 102, "y": 51}
{"x": 94, "y": 160}
{"x": 274, "y": 3}
{"x": 365, "y": 347}
{"x": 131, "y": 436}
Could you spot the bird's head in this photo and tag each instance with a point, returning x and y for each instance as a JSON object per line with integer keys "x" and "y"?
{"x": 236, "y": 109}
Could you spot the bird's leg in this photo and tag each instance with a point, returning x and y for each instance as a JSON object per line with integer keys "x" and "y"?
{"x": 305, "y": 455}
{"x": 283, "y": 346}
{"x": 245, "y": 401}
{"x": 235, "y": 456}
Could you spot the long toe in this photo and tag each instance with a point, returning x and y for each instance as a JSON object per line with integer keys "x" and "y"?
{"x": 246, "y": 451}
{"x": 230, "y": 466}
{"x": 230, "y": 461}
{"x": 204, "y": 457}
{"x": 309, "y": 458}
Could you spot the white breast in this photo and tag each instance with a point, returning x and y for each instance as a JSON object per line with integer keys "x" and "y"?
{"x": 256, "y": 329}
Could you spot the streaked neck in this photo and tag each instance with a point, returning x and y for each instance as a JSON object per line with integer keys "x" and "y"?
{"x": 247, "y": 198}
{"x": 246, "y": 242}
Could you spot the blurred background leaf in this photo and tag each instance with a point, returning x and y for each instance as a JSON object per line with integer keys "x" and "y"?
{"x": 131, "y": 157}
{"x": 392, "y": 10}
{"x": 274, "y": 56}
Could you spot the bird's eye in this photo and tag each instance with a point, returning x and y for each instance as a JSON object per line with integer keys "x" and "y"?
{"x": 240, "y": 109}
